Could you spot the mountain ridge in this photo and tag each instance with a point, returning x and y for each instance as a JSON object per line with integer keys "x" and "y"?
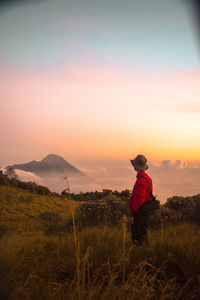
{"x": 51, "y": 165}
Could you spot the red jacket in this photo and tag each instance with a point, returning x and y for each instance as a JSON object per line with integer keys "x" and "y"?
{"x": 141, "y": 192}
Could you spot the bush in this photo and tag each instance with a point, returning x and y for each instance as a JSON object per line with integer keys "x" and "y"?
{"x": 162, "y": 217}
{"x": 108, "y": 211}
{"x": 3, "y": 230}
{"x": 4, "y": 180}
{"x": 26, "y": 199}
{"x": 53, "y": 223}
{"x": 8, "y": 197}
{"x": 42, "y": 190}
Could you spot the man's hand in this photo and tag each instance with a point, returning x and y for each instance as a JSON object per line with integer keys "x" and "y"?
{"x": 130, "y": 220}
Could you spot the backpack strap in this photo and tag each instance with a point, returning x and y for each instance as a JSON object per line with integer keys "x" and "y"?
{"x": 148, "y": 184}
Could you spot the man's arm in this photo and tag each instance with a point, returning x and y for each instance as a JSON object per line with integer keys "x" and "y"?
{"x": 137, "y": 196}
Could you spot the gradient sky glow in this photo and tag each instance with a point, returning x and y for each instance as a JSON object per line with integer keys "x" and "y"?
{"x": 135, "y": 34}
{"x": 98, "y": 80}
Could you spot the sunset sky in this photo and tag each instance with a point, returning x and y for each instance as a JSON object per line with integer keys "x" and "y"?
{"x": 99, "y": 81}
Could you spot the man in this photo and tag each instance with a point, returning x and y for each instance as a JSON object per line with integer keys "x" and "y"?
{"x": 140, "y": 195}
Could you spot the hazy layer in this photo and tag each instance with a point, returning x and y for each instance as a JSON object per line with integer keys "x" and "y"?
{"x": 169, "y": 178}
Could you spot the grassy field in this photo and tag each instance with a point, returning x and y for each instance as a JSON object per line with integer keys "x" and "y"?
{"x": 95, "y": 263}
{"x": 20, "y": 209}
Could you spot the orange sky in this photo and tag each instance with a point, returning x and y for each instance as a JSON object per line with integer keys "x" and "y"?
{"x": 99, "y": 83}
{"x": 99, "y": 112}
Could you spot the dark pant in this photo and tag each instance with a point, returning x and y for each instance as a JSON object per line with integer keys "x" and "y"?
{"x": 139, "y": 230}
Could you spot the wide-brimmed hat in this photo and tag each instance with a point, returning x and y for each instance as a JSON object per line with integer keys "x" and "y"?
{"x": 140, "y": 162}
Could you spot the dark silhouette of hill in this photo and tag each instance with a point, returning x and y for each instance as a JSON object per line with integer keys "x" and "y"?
{"x": 52, "y": 165}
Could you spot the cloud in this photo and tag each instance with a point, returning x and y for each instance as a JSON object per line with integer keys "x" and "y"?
{"x": 179, "y": 105}
{"x": 169, "y": 177}
{"x": 177, "y": 164}
{"x": 190, "y": 107}
{"x": 175, "y": 178}
{"x": 27, "y": 176}
{"x": 186, "y": 106}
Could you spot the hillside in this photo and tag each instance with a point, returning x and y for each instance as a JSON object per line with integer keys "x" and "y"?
{"x": 100, "y": 263}
{"x": 43, "y": 260}
{"x": 21, "y": 210}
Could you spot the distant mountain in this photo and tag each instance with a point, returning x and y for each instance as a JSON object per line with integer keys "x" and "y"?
{"x": 52, "y": 165}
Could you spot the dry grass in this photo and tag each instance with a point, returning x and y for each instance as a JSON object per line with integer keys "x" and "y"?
{"x": 43, "y": 267}
{"x": 20, "y": 209}
{"x": 96, "y": 263}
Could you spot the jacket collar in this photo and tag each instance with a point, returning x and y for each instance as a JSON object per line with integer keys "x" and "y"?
{"x": 141, "y": 173}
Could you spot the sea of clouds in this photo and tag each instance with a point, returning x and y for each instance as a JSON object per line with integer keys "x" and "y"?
{"x": 169, "y": 178}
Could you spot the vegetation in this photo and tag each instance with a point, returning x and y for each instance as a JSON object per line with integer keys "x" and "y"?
{"x": 55, "y": 248}
{"x": 11, "y": 179}
{"x": 46, "y": 267}
{"x": 21, "y": 210}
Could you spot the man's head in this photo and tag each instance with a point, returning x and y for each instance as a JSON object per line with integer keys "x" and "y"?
{"x": 139, "y": 163}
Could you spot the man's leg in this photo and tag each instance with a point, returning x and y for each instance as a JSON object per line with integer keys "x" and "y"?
{"x": 143, "y": 229}
{"x": 139, "y": 230}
